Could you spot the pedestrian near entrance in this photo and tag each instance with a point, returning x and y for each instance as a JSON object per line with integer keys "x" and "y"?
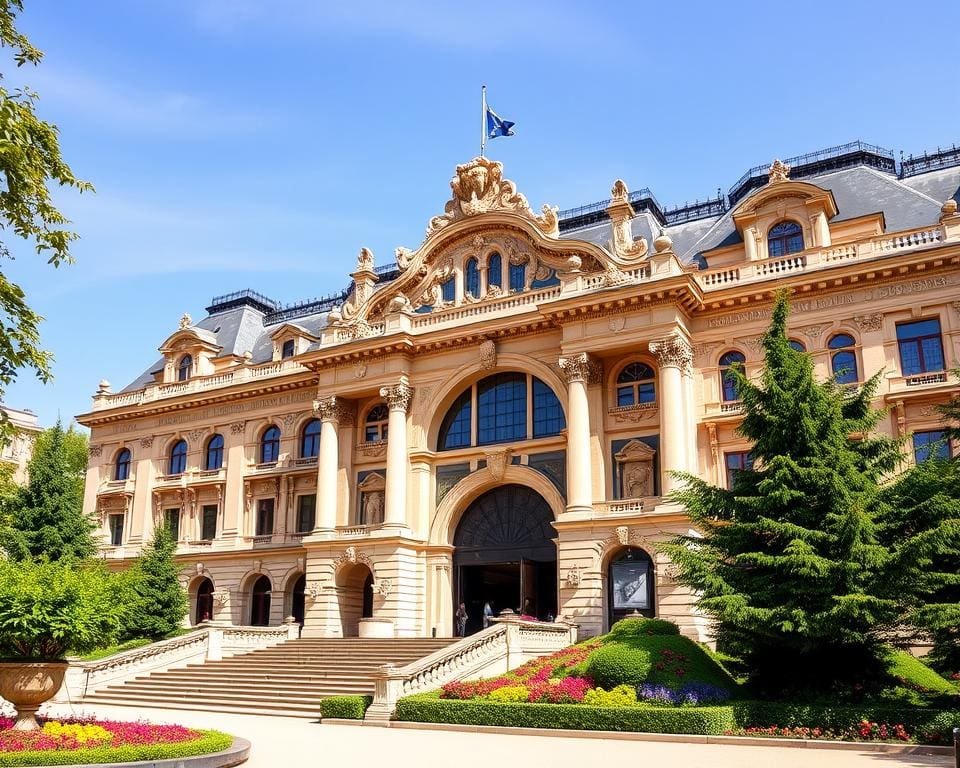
{"x": 487, "y": 614}
{"x": 461, "y": 617}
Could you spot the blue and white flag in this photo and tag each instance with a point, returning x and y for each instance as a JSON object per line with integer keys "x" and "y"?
{"x": 496, "y": 126}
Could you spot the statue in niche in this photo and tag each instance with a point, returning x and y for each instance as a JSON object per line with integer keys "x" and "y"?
{"x": 635, "y": 461}
{"x": 372, "y": 491}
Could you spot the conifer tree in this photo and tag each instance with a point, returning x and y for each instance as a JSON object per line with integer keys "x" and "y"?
{"x": 788, "y": 561}
{"x": 46, "y": 516}
{"x": 157, "y": 602}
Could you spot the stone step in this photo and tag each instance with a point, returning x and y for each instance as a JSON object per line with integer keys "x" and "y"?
{"x": 240, "y": 691}
{"x": 266, "y": 708}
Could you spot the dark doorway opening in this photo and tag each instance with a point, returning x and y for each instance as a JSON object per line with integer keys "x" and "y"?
{"x": 630, "y": 585}
{"x": 260, "y": 604}
{"x": 204, "y": 607}
{"x": 505, "y": 555}
{"x": 299, "y": 603}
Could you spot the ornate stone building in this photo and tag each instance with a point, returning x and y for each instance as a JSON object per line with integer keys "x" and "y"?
{"x": 17, "y": 450}
{"x": 495, "y": 417}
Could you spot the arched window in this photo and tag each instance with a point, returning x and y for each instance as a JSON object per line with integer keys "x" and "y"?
{"x": 495, "y": 271}
{"x": 630, "y": 585}
{"x": 375, "y": 426}
{"x": 121, "y": 470}
{"x": 636, "y": 385}
{"x": 270, "y": 445}
{"x": 260, "y": 603}
{"x": 796, "y": 346}
{"x": 288, "y": 349}
{"x": 495, "y": 410}
{"x": 178, "y": 458}
{"x": 728, "y": 383}
{"x": 448, "y": 291}
{"x": 310, "y": 440}
{"x": 472, "y": 278}
{"x": 518, "y": 277}
{"x": 843, "y": 362}
{"x": 784, "y": 238}
{"x": 185, "y": 368}
{"x": 214, "y": 453}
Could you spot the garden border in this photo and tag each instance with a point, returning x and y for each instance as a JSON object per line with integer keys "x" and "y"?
{"x": 238, "y": 752}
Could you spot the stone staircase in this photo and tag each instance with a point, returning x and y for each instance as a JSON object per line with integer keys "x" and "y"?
{"x": 287, "y": 679}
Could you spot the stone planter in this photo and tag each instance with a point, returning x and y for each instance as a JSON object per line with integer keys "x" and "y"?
{"x": 376, "y": 628}
{"x": 27, "y": 685}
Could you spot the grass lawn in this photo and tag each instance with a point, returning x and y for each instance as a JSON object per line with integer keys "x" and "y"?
{"x": 129, "y": 645}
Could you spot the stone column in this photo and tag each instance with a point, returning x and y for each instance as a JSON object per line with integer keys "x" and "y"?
{"x": 675, "y": 357}
{"x": 139, "y": 527}
{"x": 234, "y": 498}
{"x": 580, "y": 370}
{"x": 398, "y": 397}
{"x": 332, "y": 410}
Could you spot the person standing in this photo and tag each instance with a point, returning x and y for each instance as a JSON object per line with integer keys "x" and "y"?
{"x": 487, "y": 614}
{"x": 461, "y": 617}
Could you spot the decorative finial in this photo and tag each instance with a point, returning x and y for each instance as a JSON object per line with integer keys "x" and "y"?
{"x": 779, "y": 171}
{"x": 365, "y": 260}
{"x": 949, "y": 207}
{"x": 104, "y": 387}
{"x": 662, "y": 244}
{"x": 186, "y": 321}
{"x": 619, "y": 193}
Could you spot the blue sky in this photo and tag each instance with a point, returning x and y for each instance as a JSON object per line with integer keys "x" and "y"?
{"x": 241, "y": 143}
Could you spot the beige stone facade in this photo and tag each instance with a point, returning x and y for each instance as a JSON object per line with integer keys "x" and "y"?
{"x": 17, "y": 451}
{"x": 427, "y": 471}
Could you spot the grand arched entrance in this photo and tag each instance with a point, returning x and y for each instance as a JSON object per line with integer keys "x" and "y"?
{"x": 203, "y": 608}
{"x": 505, "y": 555}
{"x": 298, "y": 599}
{"x": 260, "y": 602}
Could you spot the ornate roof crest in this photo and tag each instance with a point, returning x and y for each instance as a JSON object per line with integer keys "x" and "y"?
{"x": 778, "y": 171}
{"x": 186, "y": 321}
{"x": 479, "y": 187}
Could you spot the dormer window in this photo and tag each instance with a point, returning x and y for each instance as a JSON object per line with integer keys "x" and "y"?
{"x": 289, "y": 349}
{"x": 784, "y": 238}
{"x": 185, "y": 368}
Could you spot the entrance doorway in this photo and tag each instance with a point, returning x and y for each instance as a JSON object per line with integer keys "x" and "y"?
{"x": 298, "y": 602}
{"x": 505, "y": 555}
{"x": 355, "y": 597}
{"x": 630, "y": 585}
{"x": 260, "y": 603}
{"x": 204, "y": 604}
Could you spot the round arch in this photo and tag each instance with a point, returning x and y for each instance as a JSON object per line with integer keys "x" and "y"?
{"x": 466, "y": 375}
{"x": 201, "y": 599}
{"x": 261, "y": 596}
{"x": 630, "y": 582}
{"x": 354, "y": 582}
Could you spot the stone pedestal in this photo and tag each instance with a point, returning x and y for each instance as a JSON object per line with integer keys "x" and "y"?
{"x": 377, "y": 628}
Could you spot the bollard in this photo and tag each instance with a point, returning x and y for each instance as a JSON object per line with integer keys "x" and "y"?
{"x": 956, "y": 747}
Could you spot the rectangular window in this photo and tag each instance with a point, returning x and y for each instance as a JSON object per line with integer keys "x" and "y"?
{"x": 208, "y": 530}
{"x": 116, "y": 530}
{"x": 265, "y": 517}
{"x": 932, "y": 444}
{"x": 171, "y": 518}
{"x": 547, "y": 412}
{"x": 306, "y": 512}
{"x": 502, "y": 406}
{"x": 921, "y": 347}
{"x": 736, "y": 461}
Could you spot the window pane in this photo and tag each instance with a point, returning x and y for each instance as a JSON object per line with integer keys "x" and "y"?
{"x": 796, "y": 346}
{"x": 371, "y": 434}
{"x": 844, "y": 367}
{"x": 635, "y": 372}
{"x": 932, "y": 354}
{"x": 270, "y": 446}
{"x": 116, "y": 530}
{"x": 624, "y": 396}
{"x": 455, "y": 429}
{"x": 502, "y": 408}
{"x": 265, "y": 517}
{"x": 840, "y": 340}
{"x": 172, "y": 521}
{"x": 448, "y": 290}
{"x": 518, "y": 277}
{"x": 929, "y": 327}
{"x": 547, "y": 413}
{"x": 472, "y": 278}
{"x": 209, "y": 527}
{"x": 214, "y": 453}
{"x": 310, "y": 444}
{"x": 306, "y": 513}
{"x": 648, "y": 392}
{"x": 494, "y": 271}
{"x": 178, "y": 458}
{"x": 287, "y": 348}
{"x": 932, "y": 444}
{"x": 910, "y": 358}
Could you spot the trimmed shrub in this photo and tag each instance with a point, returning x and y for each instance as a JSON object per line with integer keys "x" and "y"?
{"x": 345, "y": 707}
{"x": 618, "y": 664}
{"x": 637, "y": 627}
{"x": 510, "y": 693}
{"x": 427, "y": 708}
{"x": 913, "y": 673}
{"x": 621, "y": 696}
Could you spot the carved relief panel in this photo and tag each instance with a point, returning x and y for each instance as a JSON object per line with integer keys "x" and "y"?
{"x": 635, "y": 464}
{"x": 371, "y": 494}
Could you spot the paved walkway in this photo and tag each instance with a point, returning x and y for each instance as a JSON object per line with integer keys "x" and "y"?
{"x": 281, "y": 742}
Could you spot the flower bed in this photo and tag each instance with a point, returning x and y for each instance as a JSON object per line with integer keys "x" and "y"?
{"x": 863, "y": 731}
{"x": 78, "y": 741}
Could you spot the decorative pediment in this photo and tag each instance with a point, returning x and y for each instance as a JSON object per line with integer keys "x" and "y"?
{"x": 186, "y": 339}
{"x": 812, "y": 197}
{"x": 635, "y": 450}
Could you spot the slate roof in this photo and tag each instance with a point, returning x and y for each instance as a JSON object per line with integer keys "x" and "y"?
{"x": 859, "y": 189}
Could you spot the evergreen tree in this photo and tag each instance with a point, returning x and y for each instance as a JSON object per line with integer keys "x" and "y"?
{"x": 46, "y": 517}
{"x": 788, "y": 561}
{"x": 158, "y": 602}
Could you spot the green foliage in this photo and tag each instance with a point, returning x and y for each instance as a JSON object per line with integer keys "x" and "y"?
{"x": 510, "y": 693}
{"x": 621, "y": 696}
{"x": 615, "y": 664}
{"x": 639, "y": 626}
{"x": 50, "y": 607}
{"x": 912, "y": 672}
{"x": 46, "y": 517}
{"x": 30, "y": 161}
{"x": 345, "y": 707}
{"x": 158, "y": 602}
{"x": 789, "y": 563}
{"x": 427, "y": 708}
{"x": 208, "y": 743}
{"x": 110, "y": 650}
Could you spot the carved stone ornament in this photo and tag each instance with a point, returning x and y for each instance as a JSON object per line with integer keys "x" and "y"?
{"x": 398, "y": 396}
{"x": 95, "y": 451}
{"x": 359, "y": 370}
{"x": 634, "y": 414}
{"x": 372, "y": 490}
{"x": 350, "y": 556}
{"x": 199, "y": 569}
{"x": 814, "y": 331}
{"x": 373, "y": 450}
{"x": 488, "y": 354}
{"x": 581, "y": 367}
{"x": 497, "y": 462}
{"x": 313, "y": 591}
{"x": 621, "y": 212}
{"x": 365, "y": 260}
{"x": 185, "y": 322}
{"x": 778, "y": 172}
{"x": 956, "y": 307}
{"x": 146, "y": 442}
{"x": 238, "y": 427}
{"x": 573, "y": 576}
{"x": 221, "y": 597}
{"x": 673, "y": 351}
{"x": 333, "y": 408}
{"x": 289, "y": 420}
{"x": 383, "y": 587}
{"x": 872, "y": 322}
{"x": 623, "y": 535}
{"x": 196, "y": 435}
{"x": 705, "y": 349}
{"x": 635, "y": 461}
{"x": 616, "y": 323}
{"x": 479, "y": 187}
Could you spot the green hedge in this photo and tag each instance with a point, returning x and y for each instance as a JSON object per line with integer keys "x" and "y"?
{"x": 345, "y": 707}
{"x": 210, "y": 741}
{"x": 427, "y": 708}
{"x": 633, "y": 627}
{"x": 618, "y": 664}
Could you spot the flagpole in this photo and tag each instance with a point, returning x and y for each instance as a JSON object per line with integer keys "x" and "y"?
{"x": 483, "y": 118}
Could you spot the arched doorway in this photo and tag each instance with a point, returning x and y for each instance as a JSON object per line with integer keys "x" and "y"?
{"x": 630, "y": 585}
{"x": 298, "y": 600}
{"x": 203, "y": 610}
{"x": 355, "y": 597}
{"x": 505, "y": 555}
{"x": 260, "y": 603}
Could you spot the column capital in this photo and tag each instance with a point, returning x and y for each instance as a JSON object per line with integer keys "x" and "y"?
{"x": 673, "y": 351}
{"x": 335, "y": 409}
{"x": 398, "y": 396}
{"x": 581, "y": 367}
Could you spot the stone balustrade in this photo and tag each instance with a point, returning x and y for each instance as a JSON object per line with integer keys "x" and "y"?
{"x": 506, "y": 644}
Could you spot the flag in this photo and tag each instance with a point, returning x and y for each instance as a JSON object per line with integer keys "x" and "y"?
{"x": 496, "y": 126}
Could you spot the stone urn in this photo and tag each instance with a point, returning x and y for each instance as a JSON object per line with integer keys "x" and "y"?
{"x": 27, "y": 685}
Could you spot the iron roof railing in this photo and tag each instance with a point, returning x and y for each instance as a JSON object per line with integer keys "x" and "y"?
{"x": 934, "y": 161}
